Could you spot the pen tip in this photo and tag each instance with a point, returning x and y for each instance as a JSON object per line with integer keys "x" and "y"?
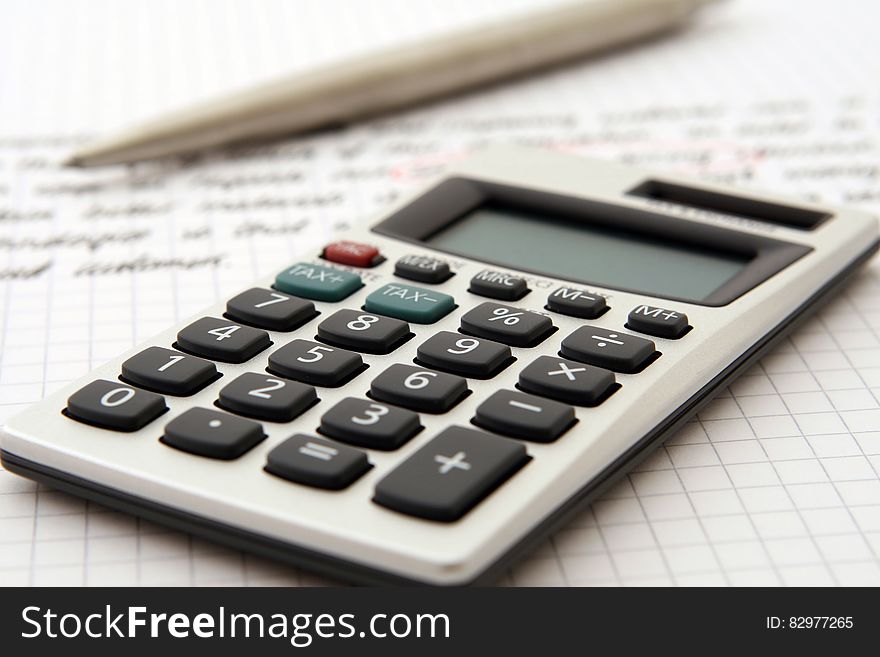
{"x": 73, "y": 161}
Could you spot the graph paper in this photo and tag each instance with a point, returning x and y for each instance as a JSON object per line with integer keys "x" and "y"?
{"x": 776, "y": 482}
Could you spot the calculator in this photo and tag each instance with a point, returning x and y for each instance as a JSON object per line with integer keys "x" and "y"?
{"x": 424, "y": 399}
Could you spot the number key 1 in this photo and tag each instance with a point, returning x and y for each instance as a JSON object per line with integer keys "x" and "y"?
{"x": 168, "y": 371}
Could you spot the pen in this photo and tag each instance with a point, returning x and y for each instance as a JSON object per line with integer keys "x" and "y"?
{"x": 370, "y": 85}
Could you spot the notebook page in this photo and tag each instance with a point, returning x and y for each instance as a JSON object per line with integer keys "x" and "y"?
{"x": 776, "y": 482}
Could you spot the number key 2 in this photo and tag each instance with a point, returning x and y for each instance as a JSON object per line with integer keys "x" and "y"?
{"x": 266, "y": 398}
{"x": 217, "y": 339}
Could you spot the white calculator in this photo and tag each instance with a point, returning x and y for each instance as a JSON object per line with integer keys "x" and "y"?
{"x": 426, "y": 398}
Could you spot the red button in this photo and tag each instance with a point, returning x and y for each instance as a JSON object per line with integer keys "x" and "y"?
{"x": 352, "y": 253}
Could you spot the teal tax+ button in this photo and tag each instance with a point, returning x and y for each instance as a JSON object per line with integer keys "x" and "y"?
{"x": 317, "y": 282}
{"x": 409, "y": 303}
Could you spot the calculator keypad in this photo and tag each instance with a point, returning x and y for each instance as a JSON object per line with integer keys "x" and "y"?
{"x": 315, "y": 363}
{"x": 409, "y": 303}
{"x": 361, "y": 331}
{"x": 317, "y": 462}
{"x": 612, "y": 350}
{"x": 206, "y": 432}
{"x": 567, "y": 381}
{"x": 366, "y": 423}
{"x": 112, "y": 405}
{"x": 524, "y": 416}
{"x": 513, "y": 326}
{"x": 317, "y": 282}
{"x": 660, "y": 322}
{"x": 270, "y": 310}
{"x": 448, "y": 476}
{"x": 458, "y": 354}
{"x": 418, "y": 389}
{"x": 264, "y": 397}
{"x": 168, "y": 371}
{"x": 452, "y": 472}
{"x": 220, "y": 339}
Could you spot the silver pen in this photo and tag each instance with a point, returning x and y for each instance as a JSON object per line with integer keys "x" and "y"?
{"x": 371, "y": 85}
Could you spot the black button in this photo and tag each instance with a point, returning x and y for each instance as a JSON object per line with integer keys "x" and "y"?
{"x": 218, "y": 339}
{"x": 577, "y": 303}
{"x": 517, "y": 327}
{"x": 111, "y": 405}
{"x": 418, "y": 389}
{"x": 498, "y": 285}
{"x": 658, "y": 321}
{"x": 317, "y": 462}
{"x": 207, "y": 432}
{"x": 266, "y": 398}
{"x": 567, "y": 381}
{"x": 270, "y": 310}
{"x": 474, "y": 357}
{"x": 609, "y": 349}
{"x": 168, "y": 371}
{"x": 315, "y": 363}
{"x": 524, "y": 416}
{"x": 369, "y": 424}
{"x": 355, "y": 329}
{"x": 450, "y": 475}
{"x": 422, "y": 268}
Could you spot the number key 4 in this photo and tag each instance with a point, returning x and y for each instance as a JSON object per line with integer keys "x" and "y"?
{"x": 217, "y": 339}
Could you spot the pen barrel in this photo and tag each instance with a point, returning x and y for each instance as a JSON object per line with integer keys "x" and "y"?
{"x": 373, "y": 84}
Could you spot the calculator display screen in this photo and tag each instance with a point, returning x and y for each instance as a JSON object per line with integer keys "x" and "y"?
{"x": 579, "y": 251}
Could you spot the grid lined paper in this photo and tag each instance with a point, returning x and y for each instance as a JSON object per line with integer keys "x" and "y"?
{"x": 776, "y": 482}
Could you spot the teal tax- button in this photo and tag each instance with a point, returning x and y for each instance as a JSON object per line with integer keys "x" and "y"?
{"x": 409, "y": 303}
{"x": 317, "y": 282}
